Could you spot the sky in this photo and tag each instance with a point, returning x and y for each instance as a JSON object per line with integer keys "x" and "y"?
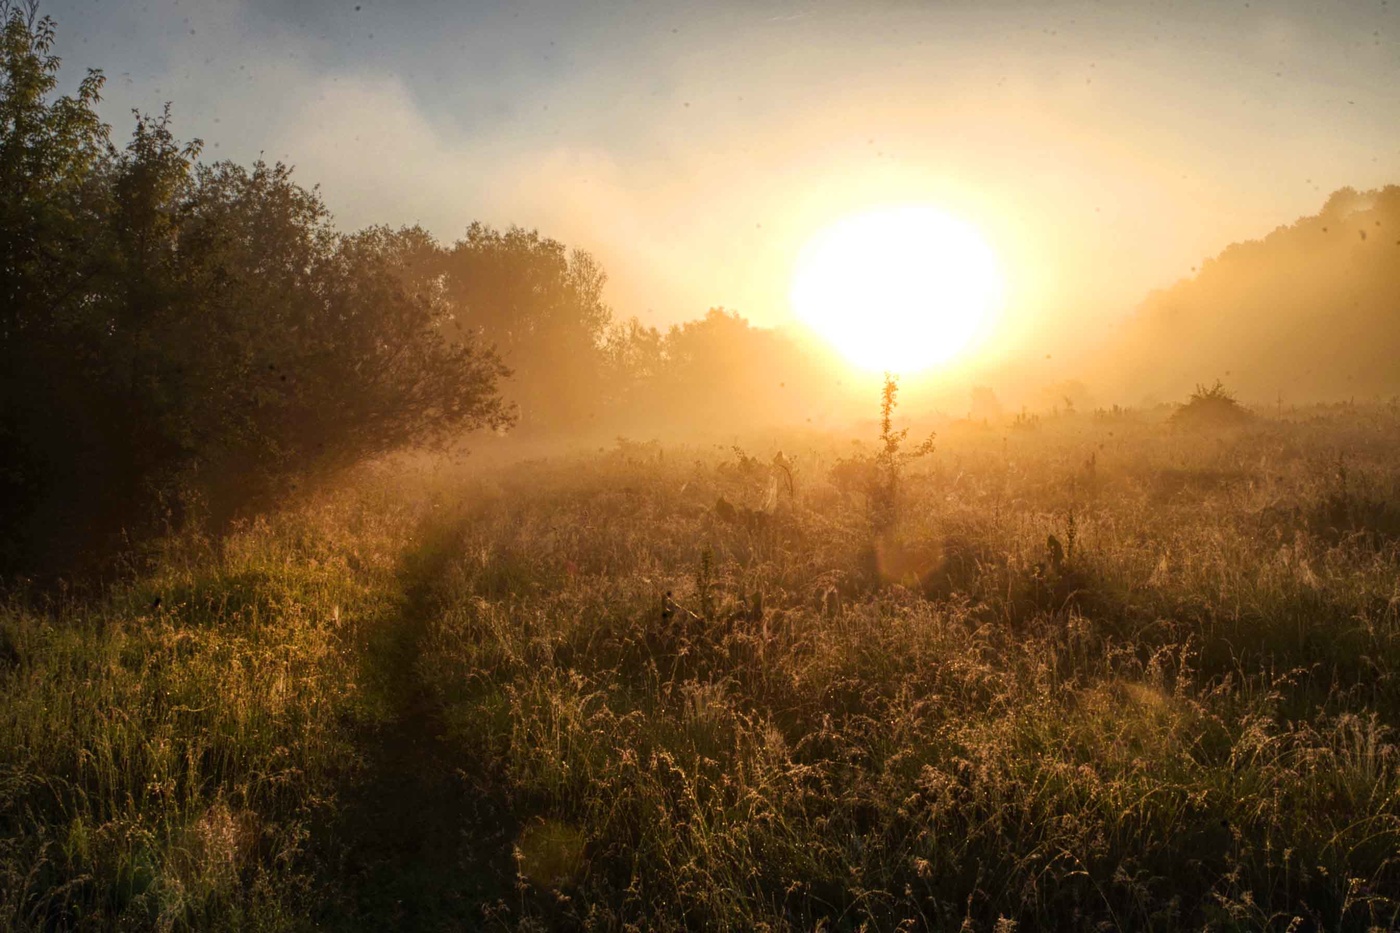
{"x": 1103, "y": 149}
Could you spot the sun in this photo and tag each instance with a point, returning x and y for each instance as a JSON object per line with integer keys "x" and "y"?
{"x": 899, "y": 289}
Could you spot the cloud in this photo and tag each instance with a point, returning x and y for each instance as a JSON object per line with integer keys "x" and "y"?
{"x": 375, "y": 156}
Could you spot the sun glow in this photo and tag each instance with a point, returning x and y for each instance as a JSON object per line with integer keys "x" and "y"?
{"x": 899, "y": 289}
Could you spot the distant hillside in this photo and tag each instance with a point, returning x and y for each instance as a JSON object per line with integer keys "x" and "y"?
{"x": 1311, "y": 311}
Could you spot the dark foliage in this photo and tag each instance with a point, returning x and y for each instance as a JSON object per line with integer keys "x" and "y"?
{"x": 179, "y": 337}
{"x": 1212, "y": 407}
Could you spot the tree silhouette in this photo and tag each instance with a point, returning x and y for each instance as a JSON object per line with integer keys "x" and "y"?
{"x": 177, "y": 335}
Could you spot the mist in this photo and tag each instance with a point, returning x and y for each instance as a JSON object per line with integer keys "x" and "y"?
{"x": 1304, "y": 313}
{"x": 772, "y": 465}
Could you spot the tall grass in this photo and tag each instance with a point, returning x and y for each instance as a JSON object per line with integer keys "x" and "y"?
{"x": 1094, "y": 672}
{"x": 165, "y": 749}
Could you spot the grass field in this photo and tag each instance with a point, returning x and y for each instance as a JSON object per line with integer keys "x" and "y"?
{"x": 1097, "y": 672}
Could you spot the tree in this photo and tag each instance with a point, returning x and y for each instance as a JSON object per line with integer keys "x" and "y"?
{"x": 50, "y": 153}
{"x": 717, "y": 372}
{"x": 721, "y": 371}
{"x": 634, "y": 357}
{"x": 1308, "y": 309}
{"x": 178, "y": 335}
{"x": 542, "y": 308}
{"x": 53, "y": 154}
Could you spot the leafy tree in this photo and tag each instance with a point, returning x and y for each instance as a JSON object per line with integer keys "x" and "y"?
{"x": 51, "y": 151}
{"x": 717, "y": 372}
{"x": 541, "y": 306}
{"x": 1308, "y": 310}
{"x": 634, "y": 358}
{"x": 53, "y": 154}
{"x": 177, "y": 334}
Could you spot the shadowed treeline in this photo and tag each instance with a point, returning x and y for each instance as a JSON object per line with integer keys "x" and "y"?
{"x": 182, "y": 340}
{"x": 178, "y": 337}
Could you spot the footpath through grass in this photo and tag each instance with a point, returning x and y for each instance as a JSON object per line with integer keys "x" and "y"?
{"x": 416, "y": 842}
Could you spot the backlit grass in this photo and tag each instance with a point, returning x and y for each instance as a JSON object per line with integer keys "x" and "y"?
{"x": 1095, "y": 671}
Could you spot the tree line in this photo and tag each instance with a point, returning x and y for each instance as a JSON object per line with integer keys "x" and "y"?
{"x": 1306, "y": 312}
{"x": 183, "y": 340}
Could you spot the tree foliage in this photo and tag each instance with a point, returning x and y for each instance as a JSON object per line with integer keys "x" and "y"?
{"x": 541, "y": 306}
{"x": 181, "y": 338}
{"x": 716, "y": 372}
{"x": 177, "y": 334}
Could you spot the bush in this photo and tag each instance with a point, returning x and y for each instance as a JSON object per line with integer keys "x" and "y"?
{"x": 1212, "y": 407}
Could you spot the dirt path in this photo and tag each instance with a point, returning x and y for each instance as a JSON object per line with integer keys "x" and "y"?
{"x": 415, "y": 845}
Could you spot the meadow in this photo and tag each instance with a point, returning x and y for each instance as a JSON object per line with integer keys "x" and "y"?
{"x": 1084, "y": 671}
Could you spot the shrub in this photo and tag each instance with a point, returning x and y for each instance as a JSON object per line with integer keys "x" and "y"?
{"x": 1212, "y": 407}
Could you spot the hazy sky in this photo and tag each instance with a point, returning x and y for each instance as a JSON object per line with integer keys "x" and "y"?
{"x": 1103, "y": 149}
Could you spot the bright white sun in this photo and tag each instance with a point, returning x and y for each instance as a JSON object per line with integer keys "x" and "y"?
{"x": 899, "y": 289}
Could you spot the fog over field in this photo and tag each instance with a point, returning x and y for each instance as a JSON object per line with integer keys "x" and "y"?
{"x": 772, "y": 465}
